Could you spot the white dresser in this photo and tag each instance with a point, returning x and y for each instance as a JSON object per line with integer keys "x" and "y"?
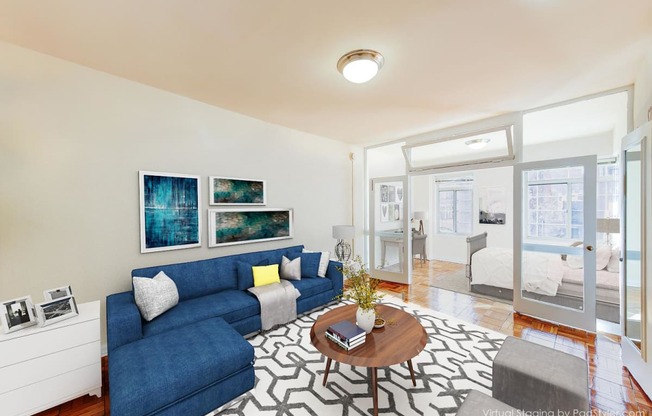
{"x": 43, "y": 367}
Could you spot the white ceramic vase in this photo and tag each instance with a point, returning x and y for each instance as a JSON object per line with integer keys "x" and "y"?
{"x": 365, "y": 319}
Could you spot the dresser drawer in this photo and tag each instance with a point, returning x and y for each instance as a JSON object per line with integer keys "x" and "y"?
{"x": 48, "y": 393}
{"x": 44, "y": 342}
{"x": 19, "y": 375}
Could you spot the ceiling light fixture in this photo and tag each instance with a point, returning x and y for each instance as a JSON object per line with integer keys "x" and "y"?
{"x": 477, "y": 143}
{"x": 361, "y": 65}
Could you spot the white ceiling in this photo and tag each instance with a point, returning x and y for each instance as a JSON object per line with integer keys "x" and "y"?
{"x": 446, "y": 61}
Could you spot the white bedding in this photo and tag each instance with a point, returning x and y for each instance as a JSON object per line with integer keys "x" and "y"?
{"x": 494, "y": 266}
{"x": 603, "y": 278}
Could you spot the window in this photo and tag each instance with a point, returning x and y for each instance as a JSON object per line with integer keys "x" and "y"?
{"x": 608, "y": 195}
{"x": 556, "y": 201}
{"x": 455, "y": 206}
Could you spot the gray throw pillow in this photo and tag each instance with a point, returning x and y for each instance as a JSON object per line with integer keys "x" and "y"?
{"x": 291, "y": 269}
{"x": 155, "y": 296}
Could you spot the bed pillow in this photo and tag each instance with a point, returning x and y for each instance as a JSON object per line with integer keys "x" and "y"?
{"x": 323, "y": 261}
{"x": 265, "y": 275}
{"x": 575, "y": 262}
{"x": 155, "y": 296}
{"x": 614, "y": 261}
{"x": 245, "y": 273}
{"x": 602, "y": 255}
{"x": 309, "y": 264}
{"x": 291, "y": 269}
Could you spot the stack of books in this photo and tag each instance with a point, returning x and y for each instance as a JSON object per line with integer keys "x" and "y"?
{"x": 346, "y": 334}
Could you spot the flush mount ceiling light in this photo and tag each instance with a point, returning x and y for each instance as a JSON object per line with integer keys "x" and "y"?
{"x": 477, "y": 143}
{"x": 360, "y": 65}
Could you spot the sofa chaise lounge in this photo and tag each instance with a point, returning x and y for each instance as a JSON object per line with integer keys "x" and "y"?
{"x": 193, "y": 358}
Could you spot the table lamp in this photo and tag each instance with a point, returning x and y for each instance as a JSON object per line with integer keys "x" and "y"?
{"x": 342, "y": 248}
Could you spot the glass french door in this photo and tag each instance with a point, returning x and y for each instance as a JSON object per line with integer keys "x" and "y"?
{"x": 389, "y": 226}
{"x": 556, "y": 238}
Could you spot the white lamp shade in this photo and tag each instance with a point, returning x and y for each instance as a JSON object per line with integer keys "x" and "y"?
{"x": 343, "y": 232}
{"x": 608, "y": 225}
{"x": 419, "y": 215}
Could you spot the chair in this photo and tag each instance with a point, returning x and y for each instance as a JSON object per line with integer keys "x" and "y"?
{"x": 419, "y": 245}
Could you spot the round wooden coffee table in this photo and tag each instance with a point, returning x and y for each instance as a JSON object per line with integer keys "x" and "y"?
{"x": 401, "y": 339}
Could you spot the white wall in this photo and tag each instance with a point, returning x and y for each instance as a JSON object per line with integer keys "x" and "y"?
{"x": 72, "y": 141}
{"x": 599, "y": 144}
{"x": 643, "y": 91}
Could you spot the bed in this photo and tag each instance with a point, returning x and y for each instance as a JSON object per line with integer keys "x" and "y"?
{"x": 547, "y": 277}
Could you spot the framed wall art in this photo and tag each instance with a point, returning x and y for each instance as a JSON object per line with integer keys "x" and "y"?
{"x": 492, "y": 206}
{"x": 169, "y": 211}
{"x": 235, "y": 191}
{"x": 17, "y": 314}
{"x": 56, "y": 310}
{"x": 57, "y": 293}
{"x": 240, "y": 226}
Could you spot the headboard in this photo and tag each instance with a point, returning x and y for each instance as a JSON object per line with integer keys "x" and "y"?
{"x": 474, "y": 243}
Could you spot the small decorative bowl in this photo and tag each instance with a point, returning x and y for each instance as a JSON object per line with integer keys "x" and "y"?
{"x": 379, "y": 323}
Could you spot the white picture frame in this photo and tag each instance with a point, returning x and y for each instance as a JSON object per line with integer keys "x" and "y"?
{"x": 57, "y": 293}
{"x": 56, "y": 310}
{"x": 16, "y": 314}
{"x": 236, "y": 191}
{"x": 228, "y": 227}
{"x": 169, "y": 200}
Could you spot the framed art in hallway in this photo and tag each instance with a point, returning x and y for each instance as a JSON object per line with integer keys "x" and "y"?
{"x": 240, "y": 226}
{"x": 236, "y": 191}
{"x": 57, "y": 310}
{"x": 16, "y": 314}
{"x": 169, "y": 211}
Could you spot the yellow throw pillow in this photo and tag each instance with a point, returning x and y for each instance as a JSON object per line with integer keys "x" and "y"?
{"x": 266, "y": 275}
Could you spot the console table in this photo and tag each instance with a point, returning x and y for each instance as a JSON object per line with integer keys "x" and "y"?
{"x": 42, "y": 367}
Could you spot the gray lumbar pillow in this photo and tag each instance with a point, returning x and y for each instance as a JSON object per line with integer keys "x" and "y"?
{"x": 155, "y": 296}
{"x": 291, "y": 270}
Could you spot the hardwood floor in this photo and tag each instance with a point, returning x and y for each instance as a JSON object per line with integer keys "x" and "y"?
{"x": 613, "y": 390}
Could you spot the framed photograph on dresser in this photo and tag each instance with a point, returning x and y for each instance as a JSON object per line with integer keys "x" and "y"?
{"x": 56, "y": 310}
{"x": 57, "y": 293}
{"x": 17, "y": 314}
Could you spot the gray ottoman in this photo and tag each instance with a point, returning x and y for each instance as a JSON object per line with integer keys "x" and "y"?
{"x": 531, "y": 377}
{"x": 477, "y": 403}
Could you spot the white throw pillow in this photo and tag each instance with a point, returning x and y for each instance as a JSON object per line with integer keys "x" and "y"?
{"x": 291, "y": 269}
{"x": 323, "y": 261}
{"x": 614, "y": 261}
{"x": 155, "y": 296}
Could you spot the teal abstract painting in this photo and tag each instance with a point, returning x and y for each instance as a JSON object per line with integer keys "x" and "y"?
{"x": 233, "y": 191}
{"x": 170, "y": 217}
{"x": 227, "y": 227}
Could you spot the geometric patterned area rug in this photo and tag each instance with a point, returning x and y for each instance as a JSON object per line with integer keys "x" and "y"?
{"x": 289, "y": 371}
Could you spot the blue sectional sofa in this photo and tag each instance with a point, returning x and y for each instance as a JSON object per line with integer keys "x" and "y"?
{"x": 193, "y": 358}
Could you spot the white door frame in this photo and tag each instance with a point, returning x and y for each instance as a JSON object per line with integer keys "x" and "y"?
{"x": 405, "y": 275}
{"x": 586, "y": 318}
